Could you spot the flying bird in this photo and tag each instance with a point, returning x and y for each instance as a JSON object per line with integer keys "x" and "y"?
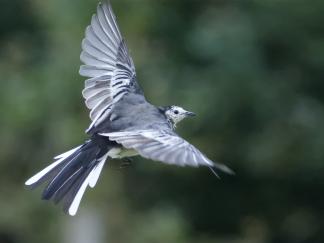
{"x": 124, "y": 123}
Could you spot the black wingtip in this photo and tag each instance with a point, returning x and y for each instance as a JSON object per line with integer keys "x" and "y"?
{"x": 223, "y": 168}
{"x": 214, "y": 172}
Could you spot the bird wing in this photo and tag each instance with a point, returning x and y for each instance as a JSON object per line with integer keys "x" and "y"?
{"x": 165, "y": 146}
{"x": 108, "y": 65}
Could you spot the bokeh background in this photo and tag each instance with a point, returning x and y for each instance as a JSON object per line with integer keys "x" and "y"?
{"x": 252, "y": 70}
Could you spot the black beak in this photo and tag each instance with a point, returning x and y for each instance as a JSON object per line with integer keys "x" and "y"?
{"x": 188, "y": 113}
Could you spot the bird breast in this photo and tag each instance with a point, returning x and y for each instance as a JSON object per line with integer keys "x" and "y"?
{"x": 118, "y": 153}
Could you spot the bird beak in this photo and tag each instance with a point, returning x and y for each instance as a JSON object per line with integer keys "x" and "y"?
{"x": 188, "y": 113}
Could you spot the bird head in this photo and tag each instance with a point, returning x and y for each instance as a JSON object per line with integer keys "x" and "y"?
{"x": 176, "y": 114}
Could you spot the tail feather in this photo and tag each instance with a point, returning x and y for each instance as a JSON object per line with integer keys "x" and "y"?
{"x": 72, "y": 167}
{"x": 64, "y": 189}
{"x": 72, "y": 201}
{"x": 95, "y": 173}
{"x": 69, "y": 176}
{"x": 46, "y": 174}
{"x": 68, "y": 153}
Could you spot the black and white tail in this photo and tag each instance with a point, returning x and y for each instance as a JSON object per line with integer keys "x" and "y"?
{"x": 72, "y": 172}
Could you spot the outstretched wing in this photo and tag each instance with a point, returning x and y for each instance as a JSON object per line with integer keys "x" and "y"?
{"x": 165, "y": 146}
{"x": 108, "y": 66}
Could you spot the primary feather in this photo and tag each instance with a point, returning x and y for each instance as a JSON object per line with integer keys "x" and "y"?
{"x": 108, "y": 65}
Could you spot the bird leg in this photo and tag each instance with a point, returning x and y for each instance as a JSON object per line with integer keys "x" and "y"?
{"x": 126, "y": 162}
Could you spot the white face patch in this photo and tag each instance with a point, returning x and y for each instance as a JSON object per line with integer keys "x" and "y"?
{"x": 176, "y": 114}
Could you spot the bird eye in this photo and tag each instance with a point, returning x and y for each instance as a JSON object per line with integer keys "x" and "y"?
{"x": 176, "y": 112}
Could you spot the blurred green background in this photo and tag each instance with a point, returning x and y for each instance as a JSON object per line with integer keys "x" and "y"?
{"x": 253, "y": 71}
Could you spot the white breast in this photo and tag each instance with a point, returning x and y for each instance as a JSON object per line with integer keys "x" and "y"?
{"x": 118, "y": 153}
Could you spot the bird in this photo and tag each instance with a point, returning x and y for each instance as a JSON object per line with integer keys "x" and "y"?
{"x": 123, "y": 123}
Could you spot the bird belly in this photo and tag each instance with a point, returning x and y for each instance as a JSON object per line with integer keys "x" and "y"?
{"x": 118, "y": 153}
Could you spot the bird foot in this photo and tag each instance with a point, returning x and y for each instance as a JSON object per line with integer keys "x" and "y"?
{"x": 126, "y": 163}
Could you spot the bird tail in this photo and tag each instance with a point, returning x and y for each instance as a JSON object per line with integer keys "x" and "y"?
{"x": 71, "y": 172}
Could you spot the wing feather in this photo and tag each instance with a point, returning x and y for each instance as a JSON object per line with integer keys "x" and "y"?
{"x": 107, "y": 64}
{"x": 165, "y": 146}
